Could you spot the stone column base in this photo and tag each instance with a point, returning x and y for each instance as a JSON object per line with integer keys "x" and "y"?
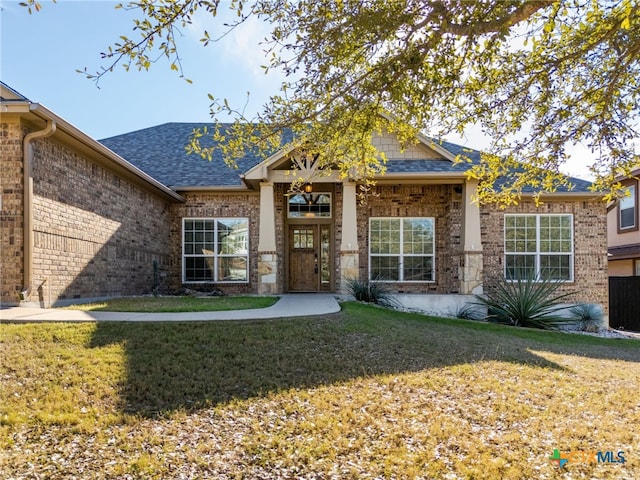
{"x": 268, "y": 273}
{"x": 471, "y": 273}
{"x": 349, "y": 268}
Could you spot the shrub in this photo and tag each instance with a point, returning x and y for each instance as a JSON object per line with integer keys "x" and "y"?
{"x": 370, "y": 292}
{"x": 470, "y": 311}
{"x": 526, "y": 303}
{"x": 588, "y": 317}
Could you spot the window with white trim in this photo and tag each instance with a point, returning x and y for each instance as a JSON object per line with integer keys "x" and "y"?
{"x": 401, "y": 249}
{"x": 539, "y": 247}
{"x": 628, "y": 210}
{"x": 215, "y": 250}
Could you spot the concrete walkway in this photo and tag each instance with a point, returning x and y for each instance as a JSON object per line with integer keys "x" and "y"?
{"x": 289, "y": 305}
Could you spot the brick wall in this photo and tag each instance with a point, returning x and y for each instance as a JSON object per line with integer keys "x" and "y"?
{"x": 437, "y": 201}
{"x": 95, "y": 233}
{"x": 217, "y": 205}
{"x": 11, "y": 236}
{"x": 590, "y": 246}
{"x": 441, "y": 202}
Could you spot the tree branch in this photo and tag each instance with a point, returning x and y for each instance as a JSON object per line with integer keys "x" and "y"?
{"x": 524, "y": 11}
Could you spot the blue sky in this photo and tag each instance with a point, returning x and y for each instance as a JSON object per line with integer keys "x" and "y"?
{"x": 39, "y": 55}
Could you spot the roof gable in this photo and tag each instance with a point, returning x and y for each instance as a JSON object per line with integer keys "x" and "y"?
{"x": 426, "y": 156}
{"x": 424, "y": 149}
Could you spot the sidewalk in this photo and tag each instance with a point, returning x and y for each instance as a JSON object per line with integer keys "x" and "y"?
{"x": 289, "y": 305}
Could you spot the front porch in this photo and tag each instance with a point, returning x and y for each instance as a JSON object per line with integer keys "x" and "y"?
{"x": 319, "y": 251}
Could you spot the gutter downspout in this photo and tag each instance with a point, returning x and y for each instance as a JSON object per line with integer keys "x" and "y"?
{"x": 27, "y": 159}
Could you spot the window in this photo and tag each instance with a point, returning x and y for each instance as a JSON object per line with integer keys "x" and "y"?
{"x": 309, "y": 205}
{"x": 539, "y": 246}
{"x": 401, "y": 249}
{"x": 215, "y": 250}
{"x": 628, "y": 210}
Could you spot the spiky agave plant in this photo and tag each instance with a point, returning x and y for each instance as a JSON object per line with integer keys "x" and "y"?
{"x": 589, "y": 317}
{"x": 370, "y": 292}
{"x": 526, "y": 302}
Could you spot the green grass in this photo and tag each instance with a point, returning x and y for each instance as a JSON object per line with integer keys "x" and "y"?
{"x": 176, "y": 304}
{"x": 366, "y": 392}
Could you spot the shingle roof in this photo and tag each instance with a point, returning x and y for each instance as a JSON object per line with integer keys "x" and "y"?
{"x": 160, "y": 152}
{"x": 428, "y": 166}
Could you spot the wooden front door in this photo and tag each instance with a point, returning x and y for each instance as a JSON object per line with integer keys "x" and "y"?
{"x": 304, "y": 258}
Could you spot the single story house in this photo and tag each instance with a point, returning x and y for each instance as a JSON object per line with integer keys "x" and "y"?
{"x": 84, "y": 218}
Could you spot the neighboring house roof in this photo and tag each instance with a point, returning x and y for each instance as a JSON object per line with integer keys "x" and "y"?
{"x": 160, "y": 151}
{"x": 624, "y": 252}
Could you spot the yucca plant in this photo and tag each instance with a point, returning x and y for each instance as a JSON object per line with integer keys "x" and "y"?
{"x": 526, "y": 302}
{"x": 370, "y": 292}
{"x": 589, "y": 317}
{"x": 470, "y": 311}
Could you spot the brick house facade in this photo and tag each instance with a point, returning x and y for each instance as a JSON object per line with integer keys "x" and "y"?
{"x": 98, "y": 224}
{"x": 108, "y": 216}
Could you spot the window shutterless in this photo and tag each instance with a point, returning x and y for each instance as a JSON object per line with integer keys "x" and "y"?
{"x": 539, "y": 247}
{"x": 401, "y": 249}
{"x": 215, "y": 250}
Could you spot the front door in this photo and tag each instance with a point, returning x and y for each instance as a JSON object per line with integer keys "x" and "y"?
{"x": 304, "y": 258}
{"x": 310, "y": 259}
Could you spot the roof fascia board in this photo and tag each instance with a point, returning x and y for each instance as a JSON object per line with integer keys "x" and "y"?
{"x": 260, "y": 171}
{"x": 15, "y": 106}
{"x": 433, "y": 145}
{"x": 213, "y": 188}
{"x": 591, "y": 196}
{"x": 457, "y": 176}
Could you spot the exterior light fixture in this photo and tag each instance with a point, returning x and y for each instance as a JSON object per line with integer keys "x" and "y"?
{"x": 308, "y": 188}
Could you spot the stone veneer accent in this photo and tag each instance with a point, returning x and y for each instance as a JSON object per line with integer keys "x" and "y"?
{"x": 591, "y": 282}
{"x": 95, "y": 234}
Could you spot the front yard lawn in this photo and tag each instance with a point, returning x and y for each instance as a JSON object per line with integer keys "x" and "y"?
{"x": 176, "y": 304}
{"x": 365, "y": 393}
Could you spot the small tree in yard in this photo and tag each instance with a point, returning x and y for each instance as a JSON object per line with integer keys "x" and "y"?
{"x": 526, "y": 302}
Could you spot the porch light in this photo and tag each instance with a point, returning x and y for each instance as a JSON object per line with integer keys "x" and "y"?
{"x": 308, "y": 188}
